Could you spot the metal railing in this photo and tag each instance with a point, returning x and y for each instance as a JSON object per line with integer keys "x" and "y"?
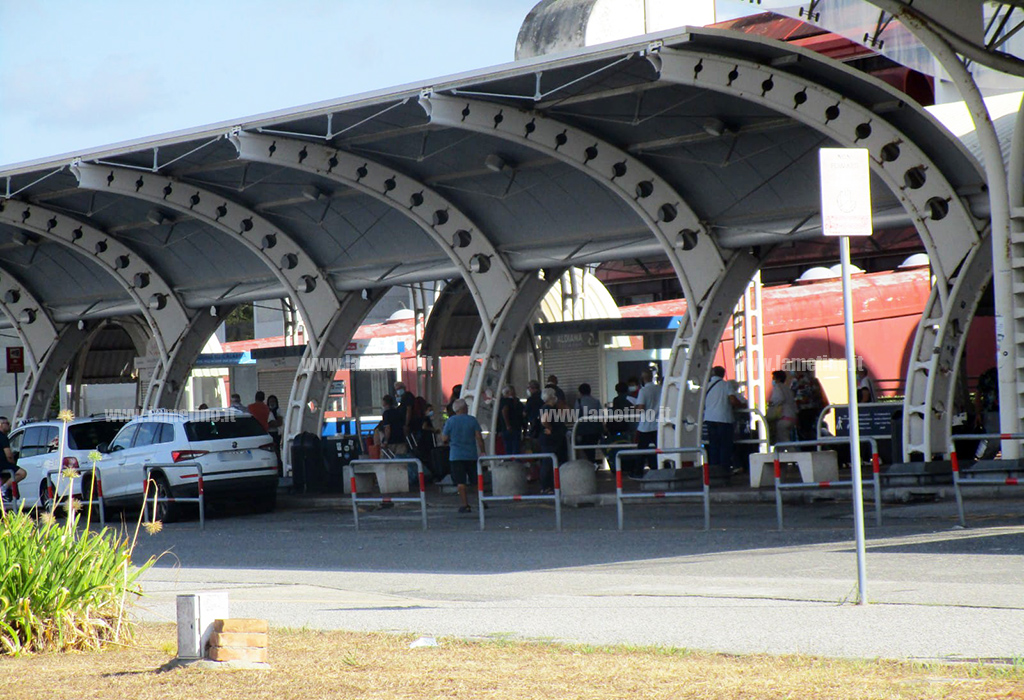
{"x": 97, "y": 494}
{"x": 958, "y": 482}
{"x": 704, "y": 494}
{"x": 556, "y": 497}
{"x": 762, "y": 440}
{"x": 604, "y": 447}
{"x": 170, "y": 498}
{"x": 854, "y": 469}
{"x": 368, "y": 466}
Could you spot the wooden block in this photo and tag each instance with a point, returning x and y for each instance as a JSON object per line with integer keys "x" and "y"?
{"x": 239, "y": 639}
{"x": 237, "y": 624}
{"x": 238, "y": 654}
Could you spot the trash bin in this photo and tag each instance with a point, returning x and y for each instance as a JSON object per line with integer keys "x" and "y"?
{"x": 308, "y": 473}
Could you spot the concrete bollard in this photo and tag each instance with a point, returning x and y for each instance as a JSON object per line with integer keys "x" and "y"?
{"x": 578, "y": 478}
{"x": 508, "y": 478}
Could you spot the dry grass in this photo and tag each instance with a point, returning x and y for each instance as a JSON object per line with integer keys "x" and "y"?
{"x": 310, "y": 664}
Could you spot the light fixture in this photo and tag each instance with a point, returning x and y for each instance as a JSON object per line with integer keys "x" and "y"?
{"x": 155, "y": 217}
{"x": 213, "y": 311}
{"x": 313, "y": 193}
{"x": 497, "y": 164}
{"x": 714, "y": 126}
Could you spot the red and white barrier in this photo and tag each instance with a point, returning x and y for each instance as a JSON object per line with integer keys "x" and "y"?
{"x": 704, "y": 494}
{"x": 556, "y": 497}
{"x": 368, "y": 466}
{"x": 959, "y": 482}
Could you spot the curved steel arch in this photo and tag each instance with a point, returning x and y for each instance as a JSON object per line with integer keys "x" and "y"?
{"x": 491, "y": 284}
{"x": 668, "y": 216}
{"x": 34, "y": 327}
{"x": 693, "y": 253}
{"x": 163, "y": 310}
{"x": 939, "y": 215}
{"x": 309, "y": 287}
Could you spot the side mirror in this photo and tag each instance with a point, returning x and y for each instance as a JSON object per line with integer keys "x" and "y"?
{"x": 103, "y": 447}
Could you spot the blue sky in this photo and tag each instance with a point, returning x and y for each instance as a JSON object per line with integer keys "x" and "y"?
{"x": 77, "y": 74}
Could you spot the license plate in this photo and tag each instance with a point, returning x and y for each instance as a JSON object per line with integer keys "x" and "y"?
{"x": 235, "y": 456}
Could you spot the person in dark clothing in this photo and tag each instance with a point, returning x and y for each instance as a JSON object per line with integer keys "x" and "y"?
{"x": 10, "y": 473}
{"x": 621, "y": 426}
{"x": 552, "y": 437}
{"x": 392, "y": 425}
{"x": 588, "y": 432}
{"x": 510, "y": 410}
{"x": 449, "y": 410}
{"x": 534, "y": 403}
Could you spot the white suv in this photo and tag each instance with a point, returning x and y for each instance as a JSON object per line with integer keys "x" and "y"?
{"x": 35, "y": 448}
{"x": 235, "y": 452}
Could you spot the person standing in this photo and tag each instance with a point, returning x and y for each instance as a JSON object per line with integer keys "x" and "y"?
{"x": 258, "y": 409}
{"x": 534, "y": 403}
{"x": 510, "y": 408}
{"x": 781, "y": 408}
{"x": 647, "y": 402}
{"x": 236, "y": 403}
{"x": 10, "y": 472}
{"x": 449, "y": 410}
{"x": 392, "y": 424}
{"x": 553, "y": 383}
{"x": 590, "y": 429}
{"x": 720, "y": 400}
{"x": 552, "y": 437}
{"x": 462, "y": 431}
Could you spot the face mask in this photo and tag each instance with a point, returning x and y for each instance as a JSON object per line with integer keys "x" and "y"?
{"x": 632, "y": 387}
{"x": 430, "y": 414}
{"x": 399, "y": 393}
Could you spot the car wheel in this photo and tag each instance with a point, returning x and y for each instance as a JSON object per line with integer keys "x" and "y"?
{"x": 45, "y": 503}
{"x": 265, "y": 501}
{"x": 166, "y": 511}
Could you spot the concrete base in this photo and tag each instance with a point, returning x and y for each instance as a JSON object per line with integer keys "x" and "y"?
{"x": 578, "y": 478}
{"x": 815, "y": 467}
{"x": 364, "y": 482}
{"x": 208, "y": 665}
{"x": 508, "y": 478}
{"x": 670, "y": 480}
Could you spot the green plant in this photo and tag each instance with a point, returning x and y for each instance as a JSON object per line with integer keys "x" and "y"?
{"x": 61, "y": 589}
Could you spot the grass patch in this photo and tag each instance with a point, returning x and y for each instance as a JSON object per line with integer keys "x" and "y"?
{"x": 313, "y": 664}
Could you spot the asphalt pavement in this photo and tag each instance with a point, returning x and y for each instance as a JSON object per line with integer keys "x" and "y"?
{"x": 935, "y": 591}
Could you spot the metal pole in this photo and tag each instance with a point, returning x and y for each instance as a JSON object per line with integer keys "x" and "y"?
{"x": 558, "y": 495}
{"x": 955, "y": 461}
{"x": 851, "y": 384}
{"x": 618, "y": 488}
{"x": 778, "y": 490}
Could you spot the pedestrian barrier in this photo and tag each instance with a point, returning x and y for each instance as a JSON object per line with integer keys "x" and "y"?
{"x": 199, "y": 498}
{"x": 15, "y": 496}
{"x": 875, "y": 473}
{"x": 556, "y": 497}
{"x": 959, "y": 482}
{"x": 704, "y": 494}
{"x": 369, "y": 466}
{"x": 97, "y": 490}
{"x": 604, "y": 447}
{"x": 762, "y": 441}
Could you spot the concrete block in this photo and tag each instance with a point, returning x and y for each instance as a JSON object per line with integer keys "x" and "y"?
{"x": 251, "y": 655}
{"x": 578, "y": 478}
{"x": 392, "y": 478}
{"x": 241, "y": 624}
{"x": 364, "y": 482}
{"x": 508, "y": 478}
{"x": 815, "y": 467}
{"x": 239, "y": 639}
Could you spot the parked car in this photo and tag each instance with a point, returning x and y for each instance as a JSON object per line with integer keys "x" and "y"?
{"x": 236, "y": 455}
{"x": 36, "y": 448}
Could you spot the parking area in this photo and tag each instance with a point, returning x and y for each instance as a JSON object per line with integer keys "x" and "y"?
{"x": 937, "y": 591}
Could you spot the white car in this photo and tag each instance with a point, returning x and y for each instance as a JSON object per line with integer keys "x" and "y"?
{"x": 236, "y": 454}
{"x": 36, "y": 450}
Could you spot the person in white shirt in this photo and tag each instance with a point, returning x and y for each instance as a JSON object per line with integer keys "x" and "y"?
{"x": 781, "y": 408}
{"x": 648, "y": 399}
{"x": 720, "y": 398}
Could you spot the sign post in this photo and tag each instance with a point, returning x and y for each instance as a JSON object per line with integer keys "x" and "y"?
{"x": 15, "y": 365}
{"x": 845, "y": 212}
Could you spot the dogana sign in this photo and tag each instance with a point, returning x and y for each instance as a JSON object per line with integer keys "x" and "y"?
{"x": 845, "y": 192}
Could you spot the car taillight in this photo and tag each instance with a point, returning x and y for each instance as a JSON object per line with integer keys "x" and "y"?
{"x": 185, "y": 455}
{"x": 269, "y": 447}
{"x": 71, "y": 463}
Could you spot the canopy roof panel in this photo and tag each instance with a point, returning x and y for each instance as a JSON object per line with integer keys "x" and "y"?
{"x": 748, "y": 172}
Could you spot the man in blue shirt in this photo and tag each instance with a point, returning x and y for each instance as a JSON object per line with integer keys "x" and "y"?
{"x": 463, "y": 433}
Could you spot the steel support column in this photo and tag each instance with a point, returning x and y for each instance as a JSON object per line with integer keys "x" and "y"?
{"x": 948, "y": 231}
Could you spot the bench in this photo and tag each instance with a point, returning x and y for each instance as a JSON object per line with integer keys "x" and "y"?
{"x": 815, "y": 467}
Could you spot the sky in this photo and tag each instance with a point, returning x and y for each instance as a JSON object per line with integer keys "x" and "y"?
{"x": 75, "y": 75}
{"x": 79, "y": 74}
